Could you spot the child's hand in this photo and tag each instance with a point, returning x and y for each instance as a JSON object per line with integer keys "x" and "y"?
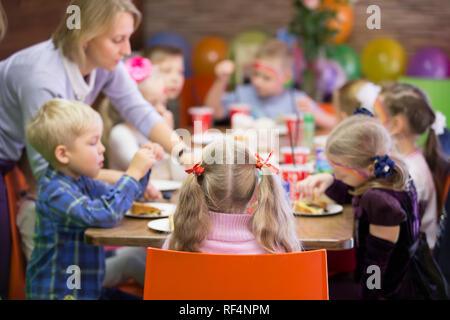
{"x": 158, "y": 151}
{"x": 142, "y": 161}
{"x": 224, "y": 69}
{"x": 306, "y": 104}
{"x": 314, "y": 186}
{"x": 151, "y": 192}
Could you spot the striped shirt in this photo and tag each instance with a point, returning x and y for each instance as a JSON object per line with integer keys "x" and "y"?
{"x": 61, "y": 264}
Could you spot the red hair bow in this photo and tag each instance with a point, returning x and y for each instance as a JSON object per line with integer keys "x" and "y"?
{"x": 197, "y": 170}
{"x": 260, "y": 163}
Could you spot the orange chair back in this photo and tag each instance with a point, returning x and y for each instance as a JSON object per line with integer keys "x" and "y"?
{"x": 175, "y": 275}
{"x": 15, "y": 183}
{"x": 193, "y": 94}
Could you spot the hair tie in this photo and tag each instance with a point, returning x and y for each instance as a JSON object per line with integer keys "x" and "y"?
{"x": 261, "y": 163}
{"x": 367, "y": 95}
{"x": 196, "y": 169}
{"x": 139, "y": 68}
{"x": 384, "y": 166}
{"x": 363, "y": 111}
{"x": 439, "y": 123}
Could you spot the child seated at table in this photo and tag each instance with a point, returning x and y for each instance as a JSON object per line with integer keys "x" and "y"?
{"x": 352, "y": 95}
{"x": 407, "y": 114}
{"x": 270, "y": 93}
{"x": 368, "y": 175}
{"x": 211, "y": 211}
{"x": 122, "y": 140}
{"x": 170, "y": 64}
{"x": 67, "y": 134}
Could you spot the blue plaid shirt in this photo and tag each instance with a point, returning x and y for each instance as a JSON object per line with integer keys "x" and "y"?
{"x": 65, "y": 208}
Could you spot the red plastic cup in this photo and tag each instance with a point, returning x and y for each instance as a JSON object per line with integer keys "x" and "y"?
{"x": 292, "y": 123}
{"x": 239, "y": 108}
{"x": 293, "y": 175}
{"x": 201, "y": 118}
{"x": 300, "y": 154}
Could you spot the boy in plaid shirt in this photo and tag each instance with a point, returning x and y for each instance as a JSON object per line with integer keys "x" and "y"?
{"x": 67, "y": 134}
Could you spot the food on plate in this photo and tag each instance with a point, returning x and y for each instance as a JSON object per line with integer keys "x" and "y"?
{"x": 141, "y": 209}
{"x": 313, "y": 207}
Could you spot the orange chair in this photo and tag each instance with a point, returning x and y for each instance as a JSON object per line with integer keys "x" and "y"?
{"x": 16, "y": 182}
{"x": 176, "y": 275}
{"x": 193, "y": 94}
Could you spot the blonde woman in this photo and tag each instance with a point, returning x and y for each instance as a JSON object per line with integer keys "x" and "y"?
{"x": 76, "y": 64}
{"x": 368, "y": 175}
{"x": 210, "y": 215}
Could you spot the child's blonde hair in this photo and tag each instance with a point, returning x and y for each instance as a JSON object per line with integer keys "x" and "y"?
{"x": 59, "y": 122}
{"x": 276, "y": 49}
{"x": 414, "y": 104}
{"x": 96, "y": 17}
{"x": 345, "y": 99}
{"x": 355, "y": 141}
{"x": 227, "y": 185}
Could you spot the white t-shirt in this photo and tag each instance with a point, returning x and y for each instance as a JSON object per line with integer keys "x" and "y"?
{"x": 426, "y": 192}
{"x": 124, "y": 142}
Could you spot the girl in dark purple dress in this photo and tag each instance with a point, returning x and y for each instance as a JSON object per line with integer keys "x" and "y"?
{"x": 368, "y": 175}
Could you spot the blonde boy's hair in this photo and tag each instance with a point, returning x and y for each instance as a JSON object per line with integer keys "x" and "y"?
{"x": 158, "y": 54}
{"x": 96, "y": 17}
{"x": 59, "y": 122}
{"x": 3, "y": 22}
{"x": 345, "y": 98}
{"x": 227, "y": 185}
{"x": 355, "y": 141}
{"x": 276, "y": 49}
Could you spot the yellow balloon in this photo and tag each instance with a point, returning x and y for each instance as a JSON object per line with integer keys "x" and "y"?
{"x": 383, "y": 59}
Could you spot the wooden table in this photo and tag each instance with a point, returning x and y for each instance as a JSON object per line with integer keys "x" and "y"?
{"x": 331, "y": 233}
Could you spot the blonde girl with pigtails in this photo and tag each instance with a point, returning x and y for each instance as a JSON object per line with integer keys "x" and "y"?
{"x": 210, "y": 215}
{"x": 368, "y": 175}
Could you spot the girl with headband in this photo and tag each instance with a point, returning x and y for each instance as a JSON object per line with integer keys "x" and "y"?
{"x": 368, "y": 175}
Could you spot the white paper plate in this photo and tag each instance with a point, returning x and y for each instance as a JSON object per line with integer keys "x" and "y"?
{"x": 162, "y": 225}
{"x": 332, "y": 209}
{"x": 166, "y": 209}
{"x": 206, "y": 138}
{"x": 166, "y": 185}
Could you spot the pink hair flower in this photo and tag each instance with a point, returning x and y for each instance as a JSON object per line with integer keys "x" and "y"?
{"x": 139, "y": 68}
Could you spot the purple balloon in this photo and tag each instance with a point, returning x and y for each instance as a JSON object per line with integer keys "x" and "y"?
{"x": 428, "y": 63}
{"x": 448, "y": 68}
{"x": 331, "y": 76}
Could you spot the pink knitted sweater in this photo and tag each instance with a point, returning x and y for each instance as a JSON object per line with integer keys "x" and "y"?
{"x": 230, "y": 234}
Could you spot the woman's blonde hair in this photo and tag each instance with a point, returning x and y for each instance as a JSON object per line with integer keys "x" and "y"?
{"x": 59, "y": 122}
{"x": 96, "y": 17}
{"x": 355, "y": 141}
{"x": 227, "y": 185}
{"x": 3, "y": 22}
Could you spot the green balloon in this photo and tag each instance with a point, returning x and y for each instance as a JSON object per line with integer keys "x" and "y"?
{"x": 347, "y": 58}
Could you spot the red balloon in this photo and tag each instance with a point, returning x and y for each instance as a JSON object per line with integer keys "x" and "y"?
{"x": 207, "y": 53}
